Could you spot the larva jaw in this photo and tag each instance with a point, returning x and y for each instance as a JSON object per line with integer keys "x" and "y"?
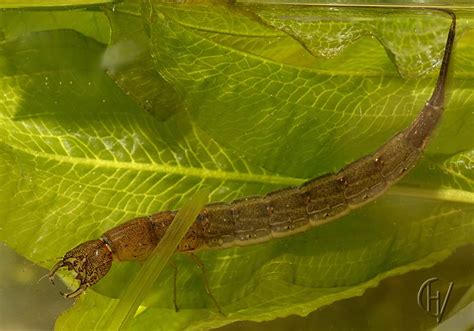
{"x": 90, "y": 261}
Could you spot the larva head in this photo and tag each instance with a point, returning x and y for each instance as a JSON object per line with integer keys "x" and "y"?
{"x": 90, "y": 261}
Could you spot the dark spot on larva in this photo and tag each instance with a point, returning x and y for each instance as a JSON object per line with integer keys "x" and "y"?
{"x": 343, "y": 181}
{"x": 307, "y": 199}
{"x": 269, "y": 210}
{"x": 235, "y": 213}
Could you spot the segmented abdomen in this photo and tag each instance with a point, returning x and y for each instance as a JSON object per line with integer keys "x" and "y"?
{"x": 282, "y": 213}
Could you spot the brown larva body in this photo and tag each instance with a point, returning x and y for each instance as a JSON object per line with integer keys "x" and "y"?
{"x": 277, "y": 214}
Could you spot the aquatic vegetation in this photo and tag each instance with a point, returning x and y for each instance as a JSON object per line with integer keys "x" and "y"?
{"x": 239, "y": 103}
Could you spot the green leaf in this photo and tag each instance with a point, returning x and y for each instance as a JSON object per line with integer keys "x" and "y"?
{"x": 218, "y": 81}
{"x": 461, "y": 316}
{"x": 90, "y": 23}
{"x": 134, "y": 71}
{"x": 78, "y": 155}
{"x": 50, "y": 3}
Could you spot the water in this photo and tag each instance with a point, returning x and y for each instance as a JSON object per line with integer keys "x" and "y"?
{"x": 52, "y": 64}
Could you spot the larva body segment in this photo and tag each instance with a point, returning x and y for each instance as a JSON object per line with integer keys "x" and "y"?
{"x": 132, "y": 240}
{"x": 287, "y": 211}
{"x": 256, "y": 219}
{"x": 325, "y": 199}
{"x": 363, "y": 180}
{"x": 217, "y": 233}
{"x": 250, "y": 220}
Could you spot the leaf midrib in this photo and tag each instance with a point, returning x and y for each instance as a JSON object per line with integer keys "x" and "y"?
{"x": 164, "y": 168}
{"x": 441, "y": 194}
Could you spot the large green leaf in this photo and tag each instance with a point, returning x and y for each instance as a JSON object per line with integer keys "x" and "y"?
{"x": 41, "y": 4}
{"x": 79, "y": 155}
{"x": 91, "y": 23}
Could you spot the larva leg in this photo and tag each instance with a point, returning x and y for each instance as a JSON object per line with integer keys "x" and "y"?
{"x": 204, "y": 276}
{"x": 175, "y": 276}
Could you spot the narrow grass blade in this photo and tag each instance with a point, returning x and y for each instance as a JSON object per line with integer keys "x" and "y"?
{"x": 140, "y": 286}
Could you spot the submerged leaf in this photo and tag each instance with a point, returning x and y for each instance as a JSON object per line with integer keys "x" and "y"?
{"x": 328, "y": 32}
{"x": 78, "y": 155}
{"x": 90, "y": 23}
